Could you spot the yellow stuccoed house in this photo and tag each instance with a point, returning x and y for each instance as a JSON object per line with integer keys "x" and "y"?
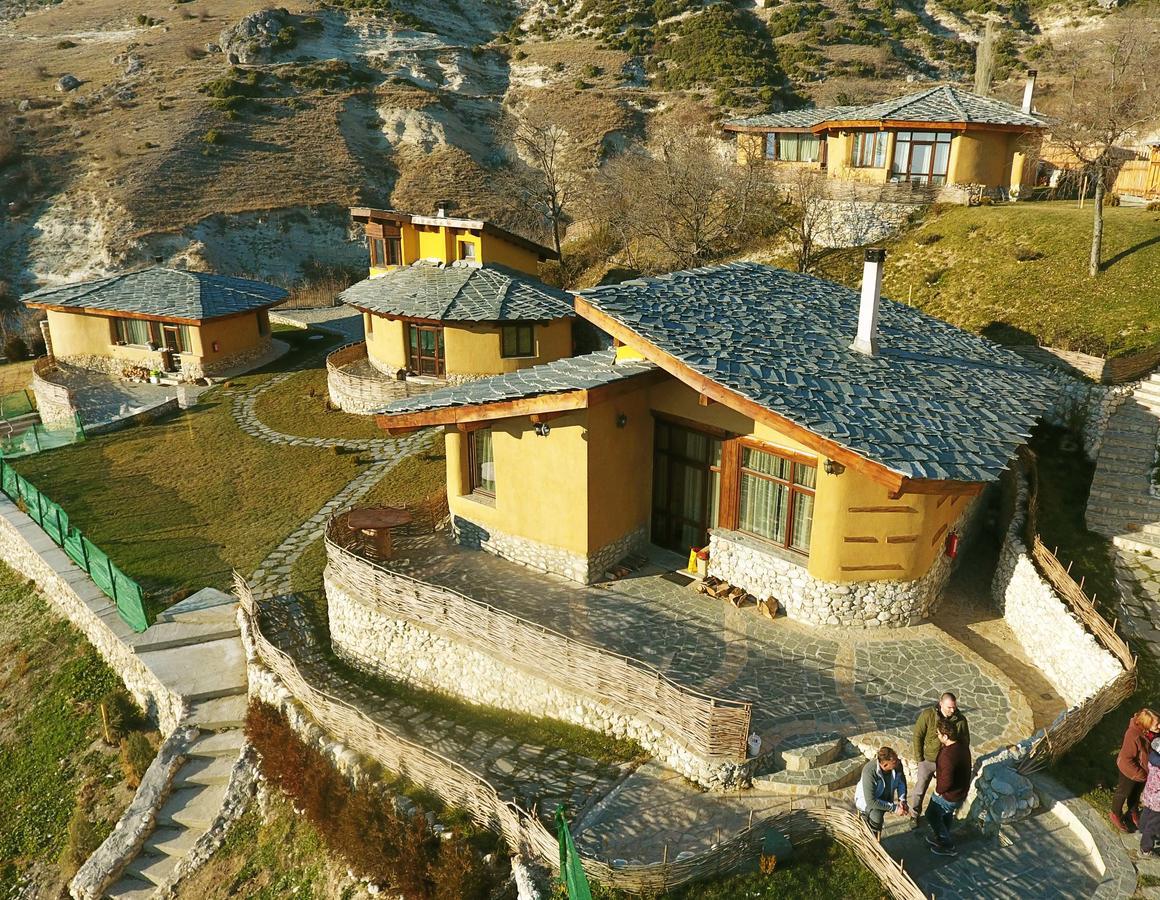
{"x": 828, "y": 448}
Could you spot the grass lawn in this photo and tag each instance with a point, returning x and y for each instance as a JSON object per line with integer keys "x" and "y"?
{"x": 51, "y": 756}
{"x": 1064, "y": 479}
{"x": 298, "y": 406}
{"x": 962, "y": 264}
{"x": 179, "y": 503}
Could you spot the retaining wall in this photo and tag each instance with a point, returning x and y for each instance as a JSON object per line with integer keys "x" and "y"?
{"x": 54, "y": 401}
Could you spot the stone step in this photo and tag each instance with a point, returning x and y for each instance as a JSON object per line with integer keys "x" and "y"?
{"x": 1139, "y": 543}
{"x": 201, "y": 671}
{"x": 811, "y": 756}
{"x": 130, "y": 887}
{"x": 205, "y": 770}
{"x": 811, "y": 782}
{"x": 194, "y": 806}
{"x": 220, "y": 713}
{"x": 154, "y": 867}
{"x": 221, "y": 743}
{"x": 207, "y": 605}
{"x": 172, "y": 840}
{"x": 168, "y": 635}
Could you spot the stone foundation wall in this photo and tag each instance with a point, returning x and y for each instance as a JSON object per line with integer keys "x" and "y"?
{"x": 545, "y": 558}
{"x": 742, "y": 561}
{"x": 54, "y": 402}
{"x": 1087, "y": 407}
{"x": 32, "y": 553}
{"x": 402, "y": 651}
{"x": 198, "y": 367}
{"x": 1071, "y": 658}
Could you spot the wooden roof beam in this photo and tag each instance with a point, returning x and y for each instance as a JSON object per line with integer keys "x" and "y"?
{"x": 931, "y": 486}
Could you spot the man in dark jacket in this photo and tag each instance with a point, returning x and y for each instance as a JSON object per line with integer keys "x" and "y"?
{"x": 927, "y": 745}
{"x": 952, "y": 780}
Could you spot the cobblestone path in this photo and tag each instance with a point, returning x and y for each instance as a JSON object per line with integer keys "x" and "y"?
{"x": 534, "y": 776}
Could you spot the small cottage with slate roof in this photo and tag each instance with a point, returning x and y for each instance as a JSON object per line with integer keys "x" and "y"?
{"x": 190, "y": 324}
{"x": 935, "y": 139}
{"x": 823, "y": 445}
{"x": 450, "y": 299}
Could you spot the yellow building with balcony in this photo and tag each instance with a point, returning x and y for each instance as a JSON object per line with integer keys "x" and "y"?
{"x": 448, "y": 300}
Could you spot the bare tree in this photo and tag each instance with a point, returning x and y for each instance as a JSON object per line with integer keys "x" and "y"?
{"x": 547, "y": 170}
{"x": 985, "y": 60}
{"x": 681, "y": 203}
{"x": 1106, "y": 94}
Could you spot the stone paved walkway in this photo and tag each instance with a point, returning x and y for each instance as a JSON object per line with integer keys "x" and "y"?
{"x": 343, "y": 320}
{"x": 802, "y": 680}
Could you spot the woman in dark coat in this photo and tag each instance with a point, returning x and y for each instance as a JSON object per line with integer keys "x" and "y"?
{"x": 1132, "y": 763}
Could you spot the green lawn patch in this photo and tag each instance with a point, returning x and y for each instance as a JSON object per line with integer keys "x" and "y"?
{"x": 1065, "y": 476}
{"x": 51, "y": 681}
{"x": 180, "y": 503}
{"x": 1018, "y": 274}
{"x": 298, "y": 406}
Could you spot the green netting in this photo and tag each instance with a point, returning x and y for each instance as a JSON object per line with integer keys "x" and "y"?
{"x": 124, "y": 591}
{"x": 17, "y": 404}
{"x": 571, "y": 872}
{"x": 41, "y": 437}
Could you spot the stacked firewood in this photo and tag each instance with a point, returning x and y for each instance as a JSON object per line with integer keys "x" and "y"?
{"x": 738, "y": 597}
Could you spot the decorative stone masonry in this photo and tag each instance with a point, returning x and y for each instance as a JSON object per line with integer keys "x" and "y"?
{"x": 193, "y": 369}
{"x": 53, "y": 401}
{"x": 122, "y": 846}
{"x": 545, "y": 558}
{"x": 1088, "y": 406}
{"x": 32, "y": 553}
{"x": 746, "y": 563}
{"x": 400, "y": 650}
{"x": 1071, "y": 658}
{"x": 357, "y": 387}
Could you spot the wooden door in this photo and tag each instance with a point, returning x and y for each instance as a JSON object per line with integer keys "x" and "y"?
{"x": 425, "y": 350}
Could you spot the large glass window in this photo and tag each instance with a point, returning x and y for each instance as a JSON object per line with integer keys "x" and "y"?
{"x": 425, "y": 349}
{"x": 869, "y": 151}
{"x": 921, "y": 156}
{"x": 792, "y": 147}
{"x": 777, "y": 498}
{"x": 518, "y": 340}
{"x": 136, "y": 331}
{"x": 386, "y": 251}
{"x": 481, "y": 462}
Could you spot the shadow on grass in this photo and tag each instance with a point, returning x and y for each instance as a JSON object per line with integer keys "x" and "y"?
{"x": 1124, "y": 254}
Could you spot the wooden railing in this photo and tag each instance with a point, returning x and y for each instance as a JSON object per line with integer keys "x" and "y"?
{"x": 464, "y": 789}
{"x": 710, "y": 727}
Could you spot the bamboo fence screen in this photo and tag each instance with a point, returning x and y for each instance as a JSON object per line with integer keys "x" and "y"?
{"x": 524, "y": 832}
{"x": 710, "y": 727}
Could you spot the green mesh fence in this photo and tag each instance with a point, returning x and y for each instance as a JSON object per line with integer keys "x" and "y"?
{"x": 40, "y": 437}
{"x": 15, "y": 405}
{"x": 124, "y": 591}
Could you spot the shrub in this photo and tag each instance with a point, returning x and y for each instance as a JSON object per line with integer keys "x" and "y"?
{"x": 233, "y": 84}
{"x": 10, "y": 150}
{"x": 136, "y": 755}
{"x": 194, "y": 52}
{"x": 65, "y": 45}
{"x": 120, "y": 713}
{"x": 581, "y": 85}
{"x": 932, "y": 237}
{"x": 557, "y": 67}
{"x": 213, "y": 136}
{"x": 147, "y": 21}
{"x": 591, "y": 71}
{"x": 15, "y": 349}
{"x": 1153, "y": 206}
{"x": 83, "y": 837}
{"x": 934, "y": 277}
{"x": 520, "y": 54}
{"x": 1113, "y": 199}
{"x": 1025, "y": 254}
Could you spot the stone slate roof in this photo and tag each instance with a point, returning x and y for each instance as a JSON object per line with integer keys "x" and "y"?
{"x": 164, "y": 293}
{"x": 488, "y": 293}
{"x": 936, "y": 402}
{"x": 794, "y": 118}
{"x": 943, "y": 103}
{"x": 575, "y": 373}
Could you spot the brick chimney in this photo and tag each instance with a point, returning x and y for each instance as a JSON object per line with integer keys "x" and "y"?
{"x": 867, "y": 339}
{"x": 1029, "y": 91}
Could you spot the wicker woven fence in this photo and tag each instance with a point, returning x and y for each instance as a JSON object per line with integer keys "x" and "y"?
{"x": 363, "y": 394}
{"x": 710, "y": 727}
{"x": 1071, "y": 728}
{"x": 524, "y": 832}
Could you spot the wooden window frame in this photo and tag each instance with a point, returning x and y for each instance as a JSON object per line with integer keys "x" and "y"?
{"x": 517, "y": 329}
{"x": 729, "y": 504}
{"x": 378, "y": 252}
{"x": 474, "y": 484}
{"x": 393, "y": 244}
{"x": 414, "y": 359}
{"x": 859, "y": 139}
{"x": 930, "y": 176}
{"x": 462, "y": 246}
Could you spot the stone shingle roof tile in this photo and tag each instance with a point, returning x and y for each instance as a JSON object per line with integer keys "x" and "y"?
{"x": 936, "y": 402}
{"x": 164, "y": 293}
{"x": 569, "y": 374}
{"x": 794, "y": 118}
{"x": 488, "y": 293}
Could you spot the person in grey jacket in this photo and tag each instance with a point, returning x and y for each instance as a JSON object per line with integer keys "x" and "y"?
{"x": 881, "y": 789}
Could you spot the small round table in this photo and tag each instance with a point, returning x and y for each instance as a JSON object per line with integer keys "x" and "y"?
{"x": 376, "y": 523}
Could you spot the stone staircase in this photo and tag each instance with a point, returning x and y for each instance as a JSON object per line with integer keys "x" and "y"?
{"x": 810, "y": 769}
{"x": 198, "y": 643}
{"x": 1120, "y": 505}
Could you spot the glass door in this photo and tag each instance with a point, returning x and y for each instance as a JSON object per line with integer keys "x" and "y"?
{"x": 685, "y": 481}
{"x": 425, "y": 349}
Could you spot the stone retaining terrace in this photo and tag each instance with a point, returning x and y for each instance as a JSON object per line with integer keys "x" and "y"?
{"x": 802, "y": 681}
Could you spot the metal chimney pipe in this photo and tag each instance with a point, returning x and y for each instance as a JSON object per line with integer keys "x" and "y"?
{"x": 1029, "y": 91}
{"x": 867, "y": 339}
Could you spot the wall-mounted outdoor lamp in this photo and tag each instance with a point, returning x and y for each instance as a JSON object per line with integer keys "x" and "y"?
{"x": 834, "y": 467}
{"x": 621, "y": 420}
{"x": 542, "y": 429}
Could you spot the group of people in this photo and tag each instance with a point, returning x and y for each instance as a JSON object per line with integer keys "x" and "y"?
{"x": 942, "y": 750}
{"x": 1136, "y": 802}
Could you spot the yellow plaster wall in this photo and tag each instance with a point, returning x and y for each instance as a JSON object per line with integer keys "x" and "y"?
{"x": 433, "y": 243}
{"x": 541, "y": 482}
{"x": 840, "y": 145}
{"x": 981, "y": 157}
{"x": 619, "y": 468}
{"x": 234, "y": 335}
{"x": 496, "y": 250}
{"x": 77, "y": 334}
{"x": 386, "y": 343}
{"x": 475, "y": 349}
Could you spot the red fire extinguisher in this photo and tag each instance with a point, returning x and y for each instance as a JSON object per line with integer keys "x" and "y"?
{"x": 952, "y": 545}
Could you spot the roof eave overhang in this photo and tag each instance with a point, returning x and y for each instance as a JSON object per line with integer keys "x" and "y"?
{"x": 124, "y": 314}
{"x": 766, "y": 129}
{"x": 839, "y": 124}
{"x": 897, "y": 483}
{"x": 420, "y": 320}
